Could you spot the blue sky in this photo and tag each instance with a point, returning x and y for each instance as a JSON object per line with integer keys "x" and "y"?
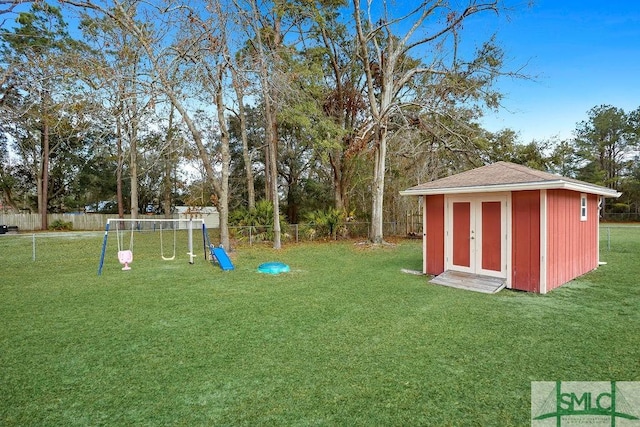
{"x": 581, "y": 53}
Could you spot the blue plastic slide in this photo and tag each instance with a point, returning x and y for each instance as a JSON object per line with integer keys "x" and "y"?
{"x": 223, "y": 259}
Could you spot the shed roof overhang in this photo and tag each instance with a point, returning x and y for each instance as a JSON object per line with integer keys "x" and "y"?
{"x": 559, "y": 184}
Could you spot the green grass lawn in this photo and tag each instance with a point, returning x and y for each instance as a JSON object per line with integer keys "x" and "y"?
{"x": 344, "y": 339}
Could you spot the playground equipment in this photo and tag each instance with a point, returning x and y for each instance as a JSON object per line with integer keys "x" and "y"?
{"x": 171, "y": 258}
{"x": 125, "y": 256}
{"x": 221, "y": 256}
{"x": 218, "y": 254}
{"x": 273, "y": 268}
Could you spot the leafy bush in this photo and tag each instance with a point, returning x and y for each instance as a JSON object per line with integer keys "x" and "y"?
{"x": 325, "y": 223}
{"x": 60, "y": 225}
{"x": 257, "y": 222}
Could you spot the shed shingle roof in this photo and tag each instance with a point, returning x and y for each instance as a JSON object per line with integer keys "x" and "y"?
{"x": 504, "y": 176}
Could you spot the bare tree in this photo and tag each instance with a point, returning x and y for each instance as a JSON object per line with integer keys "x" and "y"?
{"x": 385, "y": 42}
{"x": 120, "y": 76}
{"x": 192, "y": 56}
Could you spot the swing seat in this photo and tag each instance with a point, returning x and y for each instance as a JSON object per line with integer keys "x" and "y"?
{"x": 125, "y": 257}
{"x": 167, "y": 258}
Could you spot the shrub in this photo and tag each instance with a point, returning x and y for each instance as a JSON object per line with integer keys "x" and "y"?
{"x": 325, "y": 222}
{"x": 59, "y": 225}
{"x": 257, "y": 222}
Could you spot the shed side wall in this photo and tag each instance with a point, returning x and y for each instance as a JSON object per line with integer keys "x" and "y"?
{"x": 434, "y": 251}
{"x": 572, "y": 244}
{"x": 525, "y": 247}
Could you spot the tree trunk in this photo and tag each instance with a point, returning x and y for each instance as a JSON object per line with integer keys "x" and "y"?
{"x": 133, "y": 169}
{"x": 268, "y": 194}
{"x": 251, "y": 192}
{"x": 166, "y": 190}
{"x": 223, "y": 196}
{"x": 272, "y": 142}
{"x": 377, "y": 192}
{"x": 335, "y": 158}
{"x": 269, "y": 112}
{"x": 44, "y": 178}
{"x": 169, "y": 159}
{"x": 120, "y": 155}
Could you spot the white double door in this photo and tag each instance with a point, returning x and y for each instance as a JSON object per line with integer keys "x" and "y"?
{"x": 476, "y": 234}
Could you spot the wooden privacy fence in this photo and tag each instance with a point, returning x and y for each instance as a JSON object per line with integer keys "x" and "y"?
{"x": 31, "y": 222}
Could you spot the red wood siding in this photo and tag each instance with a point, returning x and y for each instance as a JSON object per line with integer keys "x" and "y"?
{"x": 461, "y": 234}
{"x": 434, "y": 253}
{"x": 572, "y": 244}
{"x": 525, "y": 243}
{"x": 492, "y": 236}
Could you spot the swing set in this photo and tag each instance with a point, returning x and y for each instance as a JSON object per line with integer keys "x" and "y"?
{"x": 125, "y": 255}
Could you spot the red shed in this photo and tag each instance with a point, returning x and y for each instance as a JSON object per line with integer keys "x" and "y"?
{"x": 524, "y": 228}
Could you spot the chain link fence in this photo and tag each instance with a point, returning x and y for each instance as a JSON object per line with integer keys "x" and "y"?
{"x": 613, "y": 236}
{"x": 48, "y": 246}
{"x": 308, "y": 232}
